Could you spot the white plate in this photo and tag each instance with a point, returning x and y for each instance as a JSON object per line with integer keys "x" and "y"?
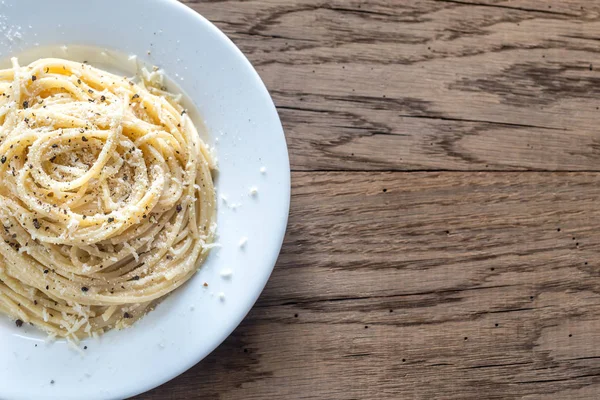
{"x": 239, "y": 112}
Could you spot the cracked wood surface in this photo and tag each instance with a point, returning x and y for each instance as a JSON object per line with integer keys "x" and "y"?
{"x": 444, "y": 233}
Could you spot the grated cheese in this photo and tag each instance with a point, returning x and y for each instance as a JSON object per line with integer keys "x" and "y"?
{"x": 227, "y": 273}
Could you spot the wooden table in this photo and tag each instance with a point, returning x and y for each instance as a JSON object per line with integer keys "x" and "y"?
{"x": 444, "y": 233}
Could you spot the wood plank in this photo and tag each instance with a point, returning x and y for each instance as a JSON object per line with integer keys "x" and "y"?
{"x": 427, "y": 85}
{"x": 453, "y": 285}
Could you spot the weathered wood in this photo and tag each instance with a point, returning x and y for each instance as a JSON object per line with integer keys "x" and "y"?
{"x": 467, "y": 286}
{"x": 444, "y": 230}
{"x": 435, "y": 85}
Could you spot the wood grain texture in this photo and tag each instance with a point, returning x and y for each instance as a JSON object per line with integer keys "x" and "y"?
{"x": 447, "y": 285}
{"x": 423, "y": 84}
{"x": 444, "y": 230}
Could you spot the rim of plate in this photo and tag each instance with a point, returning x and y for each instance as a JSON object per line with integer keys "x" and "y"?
{"x": 194, "y": 352}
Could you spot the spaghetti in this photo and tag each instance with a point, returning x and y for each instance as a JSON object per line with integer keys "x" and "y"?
{"x": 106, "y": 197}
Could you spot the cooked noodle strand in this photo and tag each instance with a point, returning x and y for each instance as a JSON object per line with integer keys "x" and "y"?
{"x": 106, "y": 197}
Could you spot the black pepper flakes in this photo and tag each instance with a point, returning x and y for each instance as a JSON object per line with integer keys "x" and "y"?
{"x": 54, "y": 146}
{"x": 178, "y": 208}
{"x": 103, "y": 98}
{"x": 136, "y": 278}
{"x": 33, "y": 78}
{"x": 126, "y": 315}
{"x": 25, "y": 104}
{"x": 36, "y": 223}
{"x": 111, "y": 219}
{"x": 84, "y": 289}
{"x": 135, "y": 96}
{"x": 3, "y": 159}
{"x": 46, "y": 271}
{"x": 19, "y": 323}
{"x": 84, "y": 138}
